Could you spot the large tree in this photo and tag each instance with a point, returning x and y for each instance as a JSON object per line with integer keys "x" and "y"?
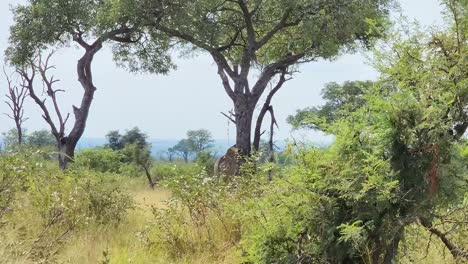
{"x": 254, "y": 42}
{"x": 43, "y": 24}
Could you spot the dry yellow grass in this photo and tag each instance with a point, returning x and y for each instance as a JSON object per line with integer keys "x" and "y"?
{"x": 122, "y": 242}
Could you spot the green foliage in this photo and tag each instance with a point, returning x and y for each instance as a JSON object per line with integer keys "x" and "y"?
{"x": 56, "y": 205}
{"x": 10, "y": 139}
{"x": 316, "y": 29}
{"x": 114, "y": 140}
{"x": 14, "y": 171}
{"x": 340, "y": 100}
{"x": 199, "y": 140}
{"x": 43, "y": 24}
{"x": 206, "y": 161}
{"x": 132, "y": 147}
{"x": 396, "y": 161}
{"x": 98, "y": 159}
{"x": 183, "y": 149}
{"x": 41, "y": 139}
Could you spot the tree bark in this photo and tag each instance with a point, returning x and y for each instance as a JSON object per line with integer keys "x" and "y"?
{"x": 148, "y": 175}
{"x": 266, "y": 106}
{"x": 458, "y": 252}
{"x": 67, "y": 144}
{"x": 19, "y": 130}
{"x": 66, "y": 152}
{"x": 244, "y": 111}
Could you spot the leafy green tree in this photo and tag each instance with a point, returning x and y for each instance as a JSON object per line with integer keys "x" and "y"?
{"x": 114, "y": 140}
{"x": 140, "y": 156}
{"x": 264, "y": 39}
{"x": 199, "y": 140}
{"x": 340, "y": 100}
{"x": 183, "y": 149}
{"x": 206, "y": 160}
{"x": 397, "y": 161}
{"x": 46, "y": 24}
{"x": 41, "y": 138}
{"x": 135, "y": 148}
{"x": 134, "y": 136}
{"x": 170, "y": 154}
{"x": 99, "y": 159}
{"x": 10, "y": 139}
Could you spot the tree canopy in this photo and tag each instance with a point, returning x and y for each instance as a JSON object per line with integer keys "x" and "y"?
{"x": 339, "y": 100}
{"x": 199, "y": 140}
{"x": 44, "y": 24}
{"x": 270, "y": 36}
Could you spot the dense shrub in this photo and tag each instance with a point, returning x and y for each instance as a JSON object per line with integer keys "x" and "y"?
{"x": 46, "y": 206}
{"x": 206, "y": 161}
{"x": 202, "y": 216}
{"x": 13, "y": 176}
{"x": 99, "y": 159}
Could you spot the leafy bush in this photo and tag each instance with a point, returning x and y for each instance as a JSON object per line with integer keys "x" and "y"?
{"x": 13, "y": 176}
{"x": 99, "y": 159}
{"x": 166, "y": 171}
{"x": 47, "y": 206}
{"x": 206, "y": 161}
{"x": 194, "y": 220}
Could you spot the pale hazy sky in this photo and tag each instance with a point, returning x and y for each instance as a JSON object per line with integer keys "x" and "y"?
{"x": 190, "y": 97}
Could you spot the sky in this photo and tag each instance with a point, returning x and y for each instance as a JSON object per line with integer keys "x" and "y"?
{"x": 190, "y": 97}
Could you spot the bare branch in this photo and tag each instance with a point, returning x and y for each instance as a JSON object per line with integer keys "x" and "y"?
{"x": 456, "y": 251}
{"x": 229, "y": 117}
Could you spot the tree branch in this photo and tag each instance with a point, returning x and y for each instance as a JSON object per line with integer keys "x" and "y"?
{"x": 456, "y": 251}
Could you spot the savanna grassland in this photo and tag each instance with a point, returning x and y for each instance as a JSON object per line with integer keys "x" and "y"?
{"x": 392, "y": 187}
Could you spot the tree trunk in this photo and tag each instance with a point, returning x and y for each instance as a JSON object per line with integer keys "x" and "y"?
{"x": 66, "y": 154}
{"x": 148, "y": 175}
{"x": 20, "y": 134}
{"x": 258, "y": 127}
{"x": 67, "y": 145}
{"x": 244, "y": 115}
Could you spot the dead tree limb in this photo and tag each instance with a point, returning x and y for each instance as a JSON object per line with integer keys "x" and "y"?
{"x": 456, "y": 251}
{"x": 265, "y": 109}
{"x": 15, "y": 101}
{"x": 41, "y": 66}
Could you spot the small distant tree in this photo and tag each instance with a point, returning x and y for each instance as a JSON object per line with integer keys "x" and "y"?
{"x": 114, "y": 140}
{"x": 134, "y": 136}
{"x": 170, "y": 152}
{"x": 15, "y": 100}
{"x": 141, "y": 157}
{"x": 199, "y": 140}
{"x": 135, "y": 148}
{"x": 10, "y": 139}
{"x": 183, "y": 149}
{"x": 40, "y": 138}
